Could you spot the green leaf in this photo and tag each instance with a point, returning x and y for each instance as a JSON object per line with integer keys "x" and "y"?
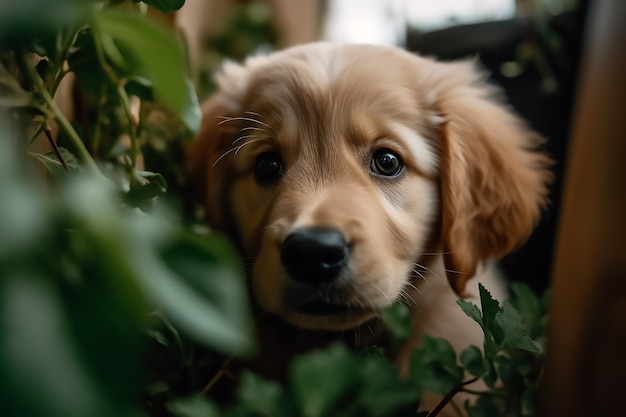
{"x": 398, "y": 320}
{"x": 42, "y": 371}
{"x": 263, "y": 397}
{"x": 11, "y": 92}
{"x": 199, "y": 285}
{"x": 51, "y": 161}
{"x": 529, "y": 307}
{"x": 156, "y": 54}
{"x": 485, "y": 406}
{"x": 196, "y": 406}
{"x": 22, "y": 217}
{"x": 27, "y": 20}
{"x": 491, "y": 376}
{"x": 472, "y": 311}
{"x": 489, "y": 306}
{"x": 141, "y": 195}
{"x": 433, "y": 366}
{"x": 525, "y": 301}
{"x": 382, "y": 392}
{"x": 510, "y": 333}
{"x": 472, "y": 360}
{"x": 83, "y": 61}
{"x": 321, "y": 379}
{"x": 165, "y": 6}
{"x": 527, "y": 403}
{"x": 442, "y": 350}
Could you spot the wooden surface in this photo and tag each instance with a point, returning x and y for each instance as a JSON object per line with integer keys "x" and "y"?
{"x": 586, "y": 365}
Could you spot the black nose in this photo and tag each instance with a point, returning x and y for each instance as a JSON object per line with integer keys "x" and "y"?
{"x": 314, "y": 255}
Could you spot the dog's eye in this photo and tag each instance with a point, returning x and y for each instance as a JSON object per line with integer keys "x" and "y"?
{"x": 269, "y": 168}
{"x": 386, "y": 163}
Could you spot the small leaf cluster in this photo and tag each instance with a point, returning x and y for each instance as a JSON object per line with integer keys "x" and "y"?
{"x": 330, "y": 382}
{"x": 340, "y": 382}
{"x": 509, "y": 363}
{"x": 132, "y": 91}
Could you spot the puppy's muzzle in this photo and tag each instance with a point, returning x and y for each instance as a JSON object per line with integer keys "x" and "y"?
{"x": 315, "y": 255}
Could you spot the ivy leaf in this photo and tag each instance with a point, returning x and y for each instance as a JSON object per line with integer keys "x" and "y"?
{"x": 472, "y": 360}
{"x": 165, "y": 6}
{"x": 321, "y": 379}
{"x": 156, "y": 54}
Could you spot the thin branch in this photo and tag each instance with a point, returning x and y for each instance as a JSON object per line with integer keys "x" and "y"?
{"x": 65, "y": 124}
{"x": 57, "y": 151}
{"x": 223, "y": 371}
{"x": 459, "y": 387}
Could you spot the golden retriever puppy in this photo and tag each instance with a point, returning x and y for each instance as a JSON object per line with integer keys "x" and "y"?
{"x": 352, "y": 176}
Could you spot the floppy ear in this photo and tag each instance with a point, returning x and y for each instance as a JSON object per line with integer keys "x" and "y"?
{"x": 493, "y": 180}
{"x": 207, "y": 182}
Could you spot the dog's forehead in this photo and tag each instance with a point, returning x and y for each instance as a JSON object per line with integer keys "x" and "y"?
{"x": 332, "y": 92}
{"x": 322, "y": 103}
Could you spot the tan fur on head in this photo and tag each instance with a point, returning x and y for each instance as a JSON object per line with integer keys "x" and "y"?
{"x": 472, "y": 184}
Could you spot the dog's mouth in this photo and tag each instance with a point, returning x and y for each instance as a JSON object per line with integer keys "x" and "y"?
{"x": 323, "y": 308}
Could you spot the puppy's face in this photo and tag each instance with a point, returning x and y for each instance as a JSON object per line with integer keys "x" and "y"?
{"x": 330, "y": 168}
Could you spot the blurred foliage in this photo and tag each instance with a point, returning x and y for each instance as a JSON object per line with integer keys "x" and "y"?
{"x": 249, "y": 30}
{"x": 113, "y": 301}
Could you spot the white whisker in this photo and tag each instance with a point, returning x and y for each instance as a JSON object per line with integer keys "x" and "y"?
{"x": 258, "y": 129}
{"x": 241, "y": 138}
{"x": 235, "y": 149}
{"x": 246, "y": 119}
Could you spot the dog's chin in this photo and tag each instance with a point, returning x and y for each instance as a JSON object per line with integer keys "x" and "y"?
{"x": 338, "y": 320}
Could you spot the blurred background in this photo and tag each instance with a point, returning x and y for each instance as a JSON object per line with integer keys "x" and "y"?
{"x": 531, "y": 48}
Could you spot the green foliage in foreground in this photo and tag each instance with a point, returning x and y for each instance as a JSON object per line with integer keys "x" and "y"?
{"x": 337, "y": 382}
{"x": 112, "y": 303}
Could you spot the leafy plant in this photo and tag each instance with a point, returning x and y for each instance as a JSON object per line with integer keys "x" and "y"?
{"x": 114, "y": 301}
{"x": 83, "y": 273}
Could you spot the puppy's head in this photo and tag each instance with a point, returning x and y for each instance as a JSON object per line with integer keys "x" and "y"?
{"x": 334, "y": 168}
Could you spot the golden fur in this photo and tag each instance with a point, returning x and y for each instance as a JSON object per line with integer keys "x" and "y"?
{"x": 471, "y": 189}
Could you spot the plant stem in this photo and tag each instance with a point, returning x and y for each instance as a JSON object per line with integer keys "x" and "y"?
{"x": 223, "y": 371}
{"x": 57, "y": 151}
{"x": 491, "y": 393}
{"x": 39, "y": 130}
{"x": 65, "y": 124}
{"x": 123, "y": 96}
{"x": 97, "y": 134}
{"x": 62, "y": 57}
{"x": 134, "y": 141}
{"x": 459, "y": 387}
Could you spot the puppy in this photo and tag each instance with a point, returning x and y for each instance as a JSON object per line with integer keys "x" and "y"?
{"x": 352, "y": 176}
